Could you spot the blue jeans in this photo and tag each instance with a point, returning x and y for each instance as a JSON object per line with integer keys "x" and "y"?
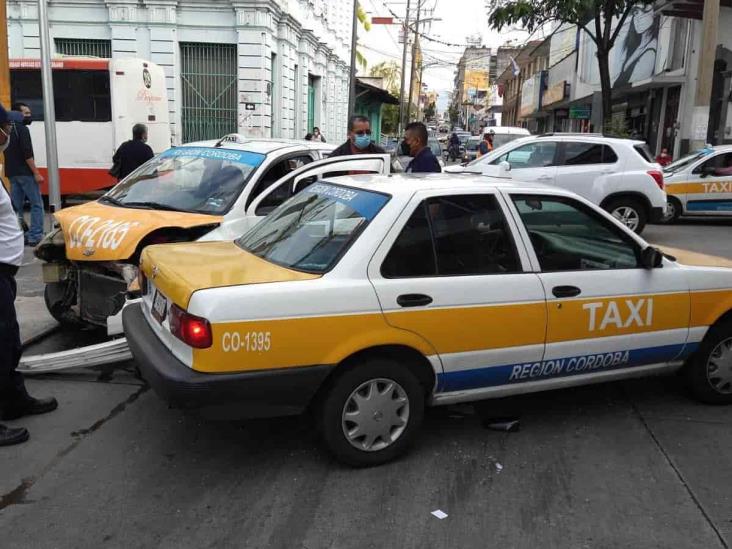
{"x": 25, "y": 186}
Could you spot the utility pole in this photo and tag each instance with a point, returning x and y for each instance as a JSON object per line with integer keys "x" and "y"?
{"x": 705, "y": 74}
{"x": 354, "y": 40}
{"x": 49, "y": 115}
{"x": 404, "y": 71}
{"x": 413, "y": 67}
{"x": 4, "y": 70}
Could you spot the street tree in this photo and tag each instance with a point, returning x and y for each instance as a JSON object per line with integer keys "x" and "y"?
{"x": 392, "y": 74}
{"x": 363, "y": 18}
{"x": 602, "y": 20}
{"x": 429, "y": 111}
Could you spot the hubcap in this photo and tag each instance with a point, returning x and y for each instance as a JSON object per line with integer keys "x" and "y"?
{"x": 719, "y": 367}
{"x": 628, "y": 216}
{"x": 375, "y": 414}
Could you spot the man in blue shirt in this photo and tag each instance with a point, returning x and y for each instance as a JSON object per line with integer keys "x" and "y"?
{"x": 423, "y": 160}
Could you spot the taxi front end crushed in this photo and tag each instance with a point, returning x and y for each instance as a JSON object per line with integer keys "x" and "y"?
{"x": 83, "y": 290}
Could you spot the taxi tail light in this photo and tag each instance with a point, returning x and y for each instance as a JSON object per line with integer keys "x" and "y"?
{"x": 657, "y": 176}
{"x": 192, "y": 330}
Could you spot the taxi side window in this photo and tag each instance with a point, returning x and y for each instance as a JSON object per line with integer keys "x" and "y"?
{"x": 722, "y": 164}
{"x": 568, "y": 236}
{"x": 274, "y": 173}
{"x": 453, "y": 236}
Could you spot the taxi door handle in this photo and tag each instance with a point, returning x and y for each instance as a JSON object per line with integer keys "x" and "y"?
{"x": 566, "y": 291}
{"x": 414, "y": 300}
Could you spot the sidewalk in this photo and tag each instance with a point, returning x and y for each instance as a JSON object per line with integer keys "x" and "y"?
{"x": 33, "y": 317}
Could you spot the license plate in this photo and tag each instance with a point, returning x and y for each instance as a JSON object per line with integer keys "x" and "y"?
{"x": 159, "y": 307}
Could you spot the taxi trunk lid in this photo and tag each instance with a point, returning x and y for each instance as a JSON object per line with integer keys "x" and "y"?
{"x": 178, "y": 270}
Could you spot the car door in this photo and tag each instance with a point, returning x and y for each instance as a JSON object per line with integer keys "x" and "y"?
{"x": 534, "y": 162}
{"x": 604, "y": 311}
{"x": 451, "y": 271}
{"x": 583, "y": 167}
{"x": 709, "y": 186}
{"x": 297, "y": 180}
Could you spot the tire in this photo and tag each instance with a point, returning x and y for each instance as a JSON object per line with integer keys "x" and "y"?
{"x": 341, "y": 397}
{"x": 673, "y": 211}
{"x": 630, "y": 212}
{"x": 715, "y": 354}
{"x": 59, "y": 302}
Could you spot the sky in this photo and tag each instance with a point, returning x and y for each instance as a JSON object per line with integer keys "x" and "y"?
{"x": 455, "y": 20}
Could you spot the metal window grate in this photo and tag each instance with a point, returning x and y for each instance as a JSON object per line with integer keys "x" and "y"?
{"x": 209, "y": 85}
{"x": 81, "y": 47}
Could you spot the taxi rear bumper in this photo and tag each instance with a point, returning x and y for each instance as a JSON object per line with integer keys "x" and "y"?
{"x": 263, "y": 393}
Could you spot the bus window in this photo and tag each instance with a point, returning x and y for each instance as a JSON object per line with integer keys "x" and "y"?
{"x": 79, "y": 95}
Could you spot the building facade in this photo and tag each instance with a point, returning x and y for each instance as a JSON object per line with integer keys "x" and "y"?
{"x": 271, "y": 68}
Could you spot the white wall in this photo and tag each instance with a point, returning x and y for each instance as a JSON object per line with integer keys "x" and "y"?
{"x": 312, "y": 34}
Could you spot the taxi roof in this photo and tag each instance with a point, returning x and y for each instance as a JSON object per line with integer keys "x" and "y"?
{"x": 408, "y": 184}
{"x": 260, "y": 145}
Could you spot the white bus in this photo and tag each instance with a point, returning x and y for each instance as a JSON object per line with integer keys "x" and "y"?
{"x": 97, "y": 102}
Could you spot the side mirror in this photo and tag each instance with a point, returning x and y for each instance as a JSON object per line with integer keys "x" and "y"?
{"x": 707, "y": 171}
{"x": 651, "y": 258}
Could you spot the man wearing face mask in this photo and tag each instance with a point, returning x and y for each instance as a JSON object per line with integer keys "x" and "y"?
{"x": 423, "y": 159}
{"x": 359, "y": 139}
{"x": 25, "y": 179}
{"x": 15, "y": 401}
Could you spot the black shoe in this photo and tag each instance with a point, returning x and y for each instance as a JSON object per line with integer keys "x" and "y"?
{"x": 32, "y": 244}
{"x": 29, "y": 407}
{"x": 10, "y": 435}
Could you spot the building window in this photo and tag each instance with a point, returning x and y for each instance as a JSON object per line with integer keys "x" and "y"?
{"x": 82, "y": 47}
{"x": 209, "y": 80}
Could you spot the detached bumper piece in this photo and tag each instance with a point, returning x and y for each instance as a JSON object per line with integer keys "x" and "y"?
{"x": 263, "y": 393}
{"x": 108, "y": 352}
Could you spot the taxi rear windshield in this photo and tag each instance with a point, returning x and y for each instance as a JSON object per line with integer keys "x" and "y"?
{"x": 188, "y": 179}
{"x": 311, "y": 231}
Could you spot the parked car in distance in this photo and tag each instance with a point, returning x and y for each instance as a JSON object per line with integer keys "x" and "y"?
{"x": 700, "y": 184}
{"x": 471, "y": 148}
{"x": 364, "y": 299}
{"x": 616, "y": 174}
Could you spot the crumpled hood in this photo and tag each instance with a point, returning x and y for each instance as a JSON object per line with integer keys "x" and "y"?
{"x": 180, "y": 269}
{"x": 98, "y": 232}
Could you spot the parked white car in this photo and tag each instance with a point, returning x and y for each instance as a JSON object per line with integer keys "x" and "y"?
{"x": 700, "y": 183}
{"x": 619, "y": 175}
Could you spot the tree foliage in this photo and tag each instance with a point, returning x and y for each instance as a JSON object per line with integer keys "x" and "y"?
{"x": 391, "y": 73}
{"x": 601, "y": 20}
{"x": 429, "y": 111}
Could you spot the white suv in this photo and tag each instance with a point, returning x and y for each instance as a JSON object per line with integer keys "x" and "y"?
{"x": 617, "y": 174}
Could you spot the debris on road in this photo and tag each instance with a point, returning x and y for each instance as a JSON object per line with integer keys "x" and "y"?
{"x": 439, "y": 514}
{"x": 508, "y": 425}
{"x": 499, "y": 467}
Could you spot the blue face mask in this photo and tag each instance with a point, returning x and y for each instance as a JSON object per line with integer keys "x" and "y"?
{"x": 362, "y": 141}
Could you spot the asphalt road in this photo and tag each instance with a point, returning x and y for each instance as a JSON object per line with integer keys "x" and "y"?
{"x": 630, "y": 464}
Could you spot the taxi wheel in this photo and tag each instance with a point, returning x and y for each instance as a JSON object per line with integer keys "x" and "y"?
{"x": 709, "y": 371}
{"x": 371, "y": 413}
{"x": 673, "y": 211}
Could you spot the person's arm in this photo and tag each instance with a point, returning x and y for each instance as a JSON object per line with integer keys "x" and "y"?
{"x": 149, "y": 153}
{"x": 26, "y": 146}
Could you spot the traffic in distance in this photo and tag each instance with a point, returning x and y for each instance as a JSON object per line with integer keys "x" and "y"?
{"x": 364, "y": 299}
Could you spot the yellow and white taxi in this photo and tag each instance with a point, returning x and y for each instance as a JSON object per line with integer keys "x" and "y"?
{"x": 700, "y": 184}
{"x": 367, "y": 298}
{"x": 212, "y": 190}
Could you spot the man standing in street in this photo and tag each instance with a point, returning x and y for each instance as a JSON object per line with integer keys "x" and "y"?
{"x": 25, "y": 179}
{"x": 15, "y": 402}
{"x": 486, "y": 145}
{"x": 132, "y": 154}
{"x": 423, "y": 159}
{"x": 359, "y": 139}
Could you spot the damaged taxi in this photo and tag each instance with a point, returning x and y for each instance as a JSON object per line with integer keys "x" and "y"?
{"x": 211, "y": 190}
{"x": 364, "y": 299}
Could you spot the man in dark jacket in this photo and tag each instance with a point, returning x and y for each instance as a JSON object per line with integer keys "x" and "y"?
{"x": 25, "y": 179}
{"x": 359, "y": 139}
{"x": 423, "y": 159}
{"x": 134, "y": 153}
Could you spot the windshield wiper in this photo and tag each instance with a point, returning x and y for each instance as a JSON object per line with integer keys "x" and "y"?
{"x": 145, "y": 205}
{"x": 110, "y": 200}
